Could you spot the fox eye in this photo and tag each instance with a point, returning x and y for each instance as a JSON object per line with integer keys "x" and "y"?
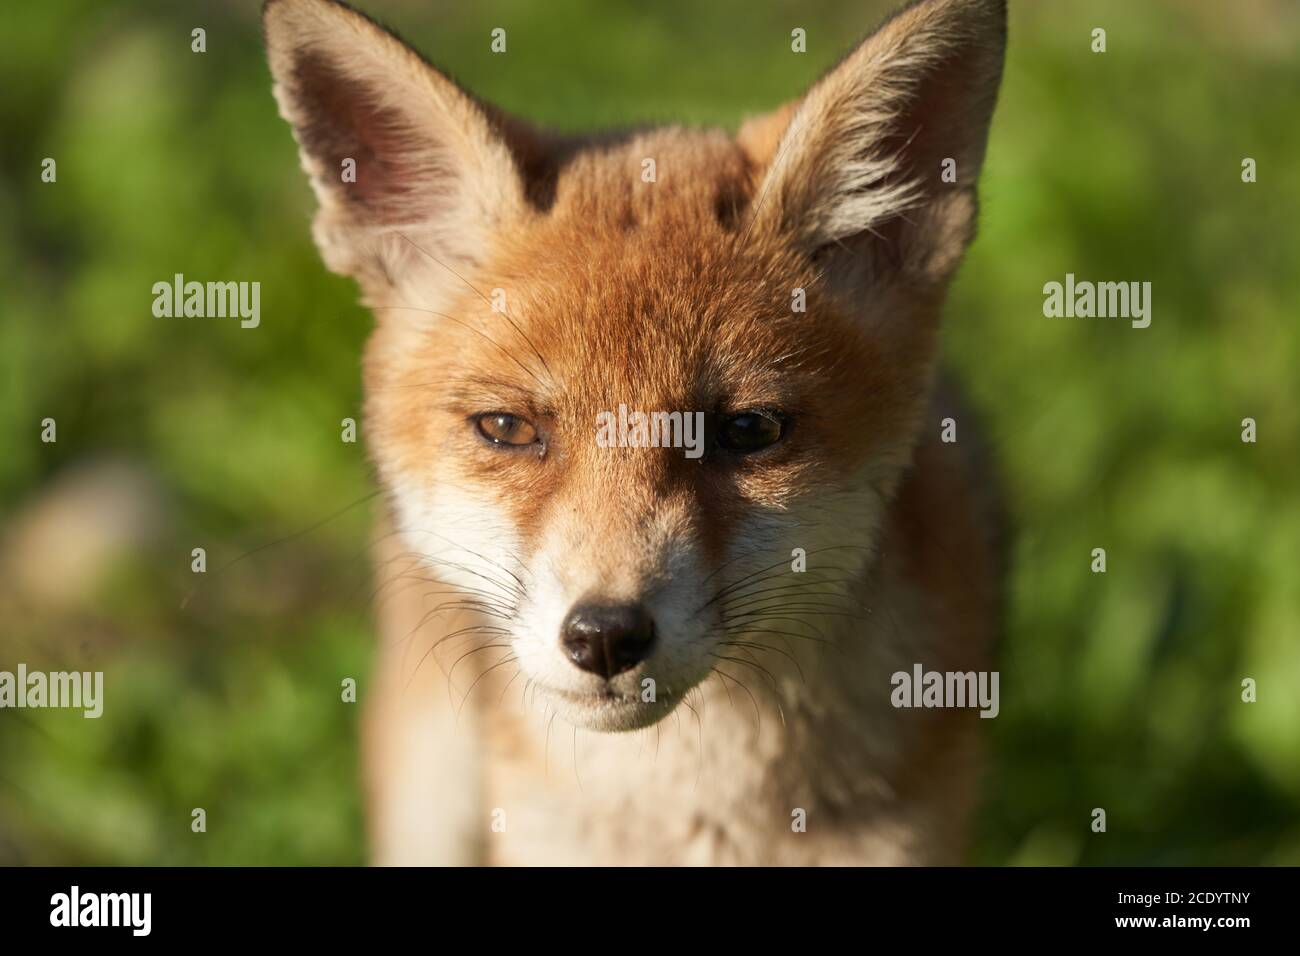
{"x": 749, "y": 432}
{"x": 501, "y": 428}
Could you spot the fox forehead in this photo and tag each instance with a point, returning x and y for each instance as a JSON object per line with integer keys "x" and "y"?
{"x": 650, "y": 292}
{"x": 668, "y": 176}
{"x": 657, "y": 264}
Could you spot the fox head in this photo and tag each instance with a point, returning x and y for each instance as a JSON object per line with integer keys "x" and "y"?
{"x": 782, "y": 286}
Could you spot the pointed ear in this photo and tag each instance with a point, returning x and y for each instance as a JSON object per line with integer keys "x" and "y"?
{"x": 858, "y": 168}
{"x": 406, "y": 166}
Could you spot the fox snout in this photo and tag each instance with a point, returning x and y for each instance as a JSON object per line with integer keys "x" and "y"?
{"x": 612, "y": 632}
{"x": 607, "y": 639}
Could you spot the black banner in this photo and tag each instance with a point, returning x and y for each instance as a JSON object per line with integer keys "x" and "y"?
{"x": 332, "y": 906}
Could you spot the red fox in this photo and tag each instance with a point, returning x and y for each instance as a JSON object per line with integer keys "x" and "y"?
{"x": 672, "y": 641}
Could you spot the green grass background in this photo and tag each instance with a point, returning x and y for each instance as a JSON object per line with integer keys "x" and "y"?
{"x": 1119, "y": 691}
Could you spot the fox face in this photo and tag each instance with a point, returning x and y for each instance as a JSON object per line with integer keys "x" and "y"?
{"x": 643, "y": 399}
{"x": 613, "y": 565}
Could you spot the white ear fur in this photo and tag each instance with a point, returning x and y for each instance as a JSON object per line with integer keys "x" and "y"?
{"x": 433, "y": 174}
{"x": 864, "y": 149}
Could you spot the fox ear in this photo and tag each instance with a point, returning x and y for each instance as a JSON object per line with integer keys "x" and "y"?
{"x": 880, "y": 158}
{"x": 408, "y": 169}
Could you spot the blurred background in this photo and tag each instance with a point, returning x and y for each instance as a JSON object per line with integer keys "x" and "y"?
{"x": 1120, "y": 690}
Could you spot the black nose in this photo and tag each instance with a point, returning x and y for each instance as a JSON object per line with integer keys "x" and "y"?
{"x": 607, "y": 639}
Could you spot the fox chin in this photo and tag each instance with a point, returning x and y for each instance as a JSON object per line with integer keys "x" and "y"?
{"x": 668, "y": 648}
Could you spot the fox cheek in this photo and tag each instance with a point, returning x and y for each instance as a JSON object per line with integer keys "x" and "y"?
{"x": 456, "y": 539}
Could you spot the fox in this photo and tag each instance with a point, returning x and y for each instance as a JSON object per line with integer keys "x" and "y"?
{"x": 610, "y": 652}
